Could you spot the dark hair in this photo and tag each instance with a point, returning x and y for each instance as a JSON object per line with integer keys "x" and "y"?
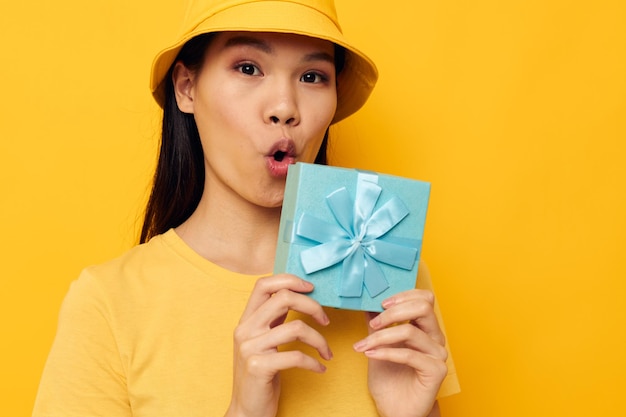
{"x": 179, "y": 177}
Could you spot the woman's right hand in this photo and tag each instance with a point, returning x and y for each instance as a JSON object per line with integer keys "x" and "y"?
{"x": 262, "y": 328}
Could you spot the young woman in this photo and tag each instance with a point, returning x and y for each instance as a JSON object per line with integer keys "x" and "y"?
{"x": 190, "y": 322}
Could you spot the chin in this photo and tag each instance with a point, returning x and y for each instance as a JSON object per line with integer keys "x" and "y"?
{"x": 276, "y": 202}
{"x": 269, "y": 200}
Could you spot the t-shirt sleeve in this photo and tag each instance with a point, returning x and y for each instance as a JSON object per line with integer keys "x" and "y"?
{"x": 84, "y": 375}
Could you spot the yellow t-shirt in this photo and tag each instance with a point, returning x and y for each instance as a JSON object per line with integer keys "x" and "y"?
{"x": 150, "y": 334}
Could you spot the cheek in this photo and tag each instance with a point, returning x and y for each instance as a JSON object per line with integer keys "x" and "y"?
{"x": 323, "y": 108}
{"x": 218, "y": 113}
{"x": 320, "y": 123}
{"x": 314, "y": 144}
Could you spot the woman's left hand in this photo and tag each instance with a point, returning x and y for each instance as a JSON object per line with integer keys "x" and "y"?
{"x": 407, "y": 355}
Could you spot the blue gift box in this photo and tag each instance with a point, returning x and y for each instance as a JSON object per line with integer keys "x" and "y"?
{"x": 356, "y": 235}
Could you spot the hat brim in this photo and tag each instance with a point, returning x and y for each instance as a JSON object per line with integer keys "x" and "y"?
{"x": 354, "y": 83}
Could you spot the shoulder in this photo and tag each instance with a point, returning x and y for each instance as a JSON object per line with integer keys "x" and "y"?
{"x": 122, "y": 276}
{"x": 138, "y": 262}
{"x": 135, "y": 258}
{"x": 118, "y": 294}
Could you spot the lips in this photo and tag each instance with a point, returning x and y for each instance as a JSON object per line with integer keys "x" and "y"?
{"x": 280, "y": 156}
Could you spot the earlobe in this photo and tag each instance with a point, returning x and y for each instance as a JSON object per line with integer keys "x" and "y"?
{"x": 183, "y": 78}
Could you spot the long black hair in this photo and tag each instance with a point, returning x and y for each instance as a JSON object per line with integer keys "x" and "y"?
{"x": 179, "y": 177}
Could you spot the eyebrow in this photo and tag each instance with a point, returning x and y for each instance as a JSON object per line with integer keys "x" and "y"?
{"x": 248, "y": 41}
{"x": 319, "y": 56}
{"x": 263, "y": 46}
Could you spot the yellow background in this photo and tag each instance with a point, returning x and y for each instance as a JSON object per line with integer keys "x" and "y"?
{"x": 515, "y": 111}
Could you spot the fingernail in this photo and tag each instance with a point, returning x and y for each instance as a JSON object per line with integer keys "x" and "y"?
{"x": 371, "y": 353}
{"x": 375, "y": 323}
{"x": 388, "y": 302}
{"x": 360, "y": 345}
{"x": 330, "y": 354}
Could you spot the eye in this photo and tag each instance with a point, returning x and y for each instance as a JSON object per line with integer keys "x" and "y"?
{"x": 248, "y": 69}
{"x": 313, "y": 77}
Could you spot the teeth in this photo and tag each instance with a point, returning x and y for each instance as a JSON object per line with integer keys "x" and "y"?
{"x": 279, "y": 155}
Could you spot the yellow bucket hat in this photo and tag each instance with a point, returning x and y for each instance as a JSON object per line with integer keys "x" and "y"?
{"x": 314, "y": 18}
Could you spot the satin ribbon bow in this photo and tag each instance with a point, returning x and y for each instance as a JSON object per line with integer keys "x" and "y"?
{"x": 355, "y": 240}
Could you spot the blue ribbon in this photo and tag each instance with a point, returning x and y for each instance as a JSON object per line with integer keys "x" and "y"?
{"x": 354, "y": 239}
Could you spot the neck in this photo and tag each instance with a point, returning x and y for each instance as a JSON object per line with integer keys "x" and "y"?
{"x": 238, "y": 237}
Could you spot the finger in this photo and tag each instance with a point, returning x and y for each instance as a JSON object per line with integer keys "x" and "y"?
{"x": 405, "y": 296}
{"x": 265, "y": 287}
{"x": 281, "y": 303}
{"x": 428, "y": 367}
{"x": 415, "y": 306}
{"x": 269, "y": 364}
{"x": 292, "y": 331}
{"x": 404, "y": 335}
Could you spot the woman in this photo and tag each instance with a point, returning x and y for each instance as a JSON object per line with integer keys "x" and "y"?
{"x": 190, "y": 323}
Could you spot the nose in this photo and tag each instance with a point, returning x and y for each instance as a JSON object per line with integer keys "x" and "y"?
{"x": 282, "y": 105}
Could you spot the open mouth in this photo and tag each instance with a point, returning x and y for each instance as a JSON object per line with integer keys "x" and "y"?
{"x": 279, "y": 155}
{"x": 282, "y": 150}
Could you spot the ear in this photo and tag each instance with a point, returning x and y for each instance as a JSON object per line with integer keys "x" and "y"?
{"x": 183, "y": 80}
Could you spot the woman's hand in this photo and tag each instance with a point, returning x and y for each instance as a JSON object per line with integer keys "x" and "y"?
{"x": 262, "y": 328}
{"x": 407, "y": 355}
